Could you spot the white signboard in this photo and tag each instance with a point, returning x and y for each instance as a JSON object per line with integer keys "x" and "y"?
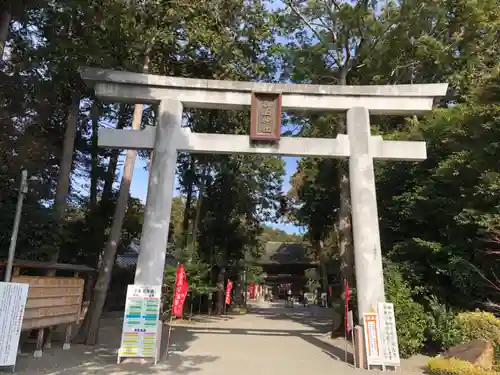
{"x": 13, "y": 298}
{"x": 350, "y": 320}
{"x": 141, "y": 333}
{"x": 374, "y": 353}
{"x": 388, "y": 334}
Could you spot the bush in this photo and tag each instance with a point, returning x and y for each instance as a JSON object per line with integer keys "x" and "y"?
{"x": 411, "y": 320}
{"x": 452, "y": 366}
{"x": 443, "y": 331}
{"x": 480, "y": 325}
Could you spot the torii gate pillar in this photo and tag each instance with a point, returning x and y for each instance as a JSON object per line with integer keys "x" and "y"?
{"x": 365, "y": 228}
{"x": 155, "y": 229}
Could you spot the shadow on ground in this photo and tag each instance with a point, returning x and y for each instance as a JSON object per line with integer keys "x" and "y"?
{"x": 315, "y": 318}
{"x": 102, "y": 358}
{"x": 204, "y": 319}
{"x": 318, "y": 318}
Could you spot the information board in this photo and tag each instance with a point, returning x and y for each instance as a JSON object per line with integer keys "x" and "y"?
{"x": 374, "y": 353}
{"x": 12, "y": 304}
{"x": 141, "y": 333}
{"x": 388, "y": 334}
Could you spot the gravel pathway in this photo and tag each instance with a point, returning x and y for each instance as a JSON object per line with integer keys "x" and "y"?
{"x": 270, "y": 340}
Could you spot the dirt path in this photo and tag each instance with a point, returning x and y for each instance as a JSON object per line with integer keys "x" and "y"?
{"x": 270, "y": 340}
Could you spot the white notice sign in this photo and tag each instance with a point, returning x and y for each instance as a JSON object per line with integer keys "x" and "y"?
{"x": 13, "y": 298}
{"x": 388, "y": 334}
{"x": 141, "y": 334}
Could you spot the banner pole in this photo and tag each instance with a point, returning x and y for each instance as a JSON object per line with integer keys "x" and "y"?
{"x": 353, "y": 347}
{"x": 346, "y": 317}
{"x": 171, "y": 314}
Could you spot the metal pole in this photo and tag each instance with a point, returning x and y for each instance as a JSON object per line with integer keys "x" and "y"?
{"x": 23, "y": 189}
{"x": 171, "y": 314}
{"x": 245, "y": 286}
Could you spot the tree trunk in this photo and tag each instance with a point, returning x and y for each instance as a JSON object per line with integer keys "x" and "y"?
{"x": 94, "y": 179}
{"x": 4, "y": 31}
{"x": 345, "y": 224}
{"x": 320, "y": 255}
{"x": 90, "y": 327}
{"x": 221, "y": 276}
{"x": 109, "y": 179}
{"x": 197, "y": 217}
{"x": 94, "y": 175}
{"x": 187, "y": 206}
{"x": 97, "y": 215}
{"x": 63, "y": 180}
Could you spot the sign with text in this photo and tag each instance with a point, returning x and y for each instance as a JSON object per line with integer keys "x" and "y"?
{"x": 265, "y": 119}
{"x": 13, "y": 298}
{"x": 140, "y": 325}
{"x": 388, "y": 334}
{"x": 374, "y": 355}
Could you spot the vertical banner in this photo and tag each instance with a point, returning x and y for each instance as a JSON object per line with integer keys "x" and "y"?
{"x": 228, "y": 292}
{"x": 180, "y": 292}
{"x": 251, "y": 291}
{"x": 13, "y": 298}
{"x": 388, "y": 334}
{"x": 140, "y": 324}
{"x": 347, "y": 297}
{"x": 374, "y": 355}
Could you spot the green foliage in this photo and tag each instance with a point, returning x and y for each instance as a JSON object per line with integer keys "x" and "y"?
{"x": 411, "y": 319}
{"x": 480, "y": 325}
{"x": 269, "y": 234}
{"x": 196, "y": 273}
{"x": 444, "y": 330}
{"x": 432, "y": 213}
{"x": 435, "y": 212}
{"x": 452, "y": 366}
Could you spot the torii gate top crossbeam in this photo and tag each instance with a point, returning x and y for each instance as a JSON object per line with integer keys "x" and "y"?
{"x": 134, "y": 88}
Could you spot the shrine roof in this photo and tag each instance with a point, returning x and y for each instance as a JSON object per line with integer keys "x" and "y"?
{"x": 286, "y": 253}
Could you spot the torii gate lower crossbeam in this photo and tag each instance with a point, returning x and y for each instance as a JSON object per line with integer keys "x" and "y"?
{"x": 358, "y": 145}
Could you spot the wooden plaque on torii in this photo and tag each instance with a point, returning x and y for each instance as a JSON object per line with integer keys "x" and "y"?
{"x": 265, "y": 118}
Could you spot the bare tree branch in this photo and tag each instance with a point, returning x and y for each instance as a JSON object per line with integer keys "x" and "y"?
{"x": 483, "y": 276}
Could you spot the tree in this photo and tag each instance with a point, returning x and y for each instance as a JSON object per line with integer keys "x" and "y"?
{"x": 338, "y": 36}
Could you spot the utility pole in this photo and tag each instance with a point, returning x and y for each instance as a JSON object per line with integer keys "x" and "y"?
{"x": 23, "y": 189}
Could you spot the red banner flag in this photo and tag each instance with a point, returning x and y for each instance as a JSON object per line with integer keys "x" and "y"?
{"x": 181, "y": 288}
{"x": 228, "y": 292}
{"x": 251, "y": 291}
{"x": 347, "y": 297}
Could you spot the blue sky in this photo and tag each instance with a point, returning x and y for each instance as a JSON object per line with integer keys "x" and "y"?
{"x": 140, "y": 185}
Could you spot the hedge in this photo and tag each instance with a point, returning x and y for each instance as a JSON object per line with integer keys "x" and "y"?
{"x": 480, "y": 325}
{"x": 452, "y": 366}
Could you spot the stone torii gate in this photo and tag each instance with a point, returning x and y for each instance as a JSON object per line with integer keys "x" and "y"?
{"x": 173, "y": 94}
